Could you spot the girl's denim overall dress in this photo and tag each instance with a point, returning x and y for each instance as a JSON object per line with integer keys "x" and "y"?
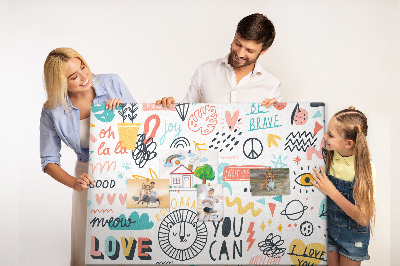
{"x": 345, "y": 235}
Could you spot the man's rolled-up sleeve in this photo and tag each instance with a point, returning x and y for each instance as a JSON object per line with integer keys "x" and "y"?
{"x": 276, "y": 92}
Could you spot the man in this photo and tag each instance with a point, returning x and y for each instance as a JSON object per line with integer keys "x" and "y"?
{"x": 238, "y": 77}
{"x": 154, "y": 195}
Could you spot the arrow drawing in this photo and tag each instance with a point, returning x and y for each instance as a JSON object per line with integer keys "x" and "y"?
{"x": 271, "y": 140}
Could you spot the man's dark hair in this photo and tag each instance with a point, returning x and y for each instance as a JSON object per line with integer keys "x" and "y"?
{"x": 257, "y": 27}
{"x": 152, "y": 183}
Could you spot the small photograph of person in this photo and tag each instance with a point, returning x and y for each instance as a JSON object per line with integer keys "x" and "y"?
{"x": 144, "y": 194}
{"x": 210, "y": 205}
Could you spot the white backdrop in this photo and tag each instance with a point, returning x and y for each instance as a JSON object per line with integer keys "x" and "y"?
{"x": 339, "y": 52}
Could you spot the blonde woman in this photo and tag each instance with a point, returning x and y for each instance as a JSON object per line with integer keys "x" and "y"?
{"x": 71, "y": 89}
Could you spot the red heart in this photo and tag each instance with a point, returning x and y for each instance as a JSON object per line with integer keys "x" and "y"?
{"x": 99, "y": 199}
{"x": 231, "y": 119}
{"x": 111, "y": 198}
{"x": 122, "y": 199}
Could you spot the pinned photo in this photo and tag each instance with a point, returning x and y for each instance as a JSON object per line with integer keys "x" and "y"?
{"x": 144, "y": 193}
{"x": 187, "y": 169}
{"x": 270, "y": 181}
{"x": 210, "y": 203}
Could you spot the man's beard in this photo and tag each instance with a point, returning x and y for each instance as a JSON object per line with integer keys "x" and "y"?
{"x": 232, "y": 62}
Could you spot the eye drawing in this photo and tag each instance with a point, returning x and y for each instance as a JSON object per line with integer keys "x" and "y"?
{"x": 304, "y": 180}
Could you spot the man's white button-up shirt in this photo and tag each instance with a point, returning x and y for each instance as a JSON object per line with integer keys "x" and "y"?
{"x": 215, "y": 82}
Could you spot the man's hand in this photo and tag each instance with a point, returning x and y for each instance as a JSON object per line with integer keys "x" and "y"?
{"x": 268, "y": 102}
{"x": 166, "y": 102}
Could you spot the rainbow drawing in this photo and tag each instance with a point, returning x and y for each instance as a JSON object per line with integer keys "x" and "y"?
{"x": 171, "y": 157}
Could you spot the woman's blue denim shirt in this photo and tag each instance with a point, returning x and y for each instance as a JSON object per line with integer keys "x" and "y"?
{"x": 57, "y": 125}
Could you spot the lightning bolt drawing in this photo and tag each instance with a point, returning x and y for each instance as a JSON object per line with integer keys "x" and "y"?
{"x": 250, "y": 239}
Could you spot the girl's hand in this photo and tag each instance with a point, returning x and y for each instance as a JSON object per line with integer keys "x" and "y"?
{"x": 268, "y": 102}
{"x": 113, "y": 103}
{"x": 83, "y": 181}
{"x": 322, "y": 182}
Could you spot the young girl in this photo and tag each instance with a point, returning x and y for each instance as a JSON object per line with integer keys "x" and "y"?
{"x": 349, "y": 186}
{"x": 71, "y": 89}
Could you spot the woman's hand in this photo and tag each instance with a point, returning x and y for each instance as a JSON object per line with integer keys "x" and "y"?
{"x": 268, "y": 102}
{"x": 166, "y": 102}
{"x": 83, "y": 181}
{"x": 113, "y": 103}
{"x": 322, "y": 182}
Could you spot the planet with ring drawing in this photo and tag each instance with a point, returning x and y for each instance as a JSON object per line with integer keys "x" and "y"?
{"x": 294, "y": 210}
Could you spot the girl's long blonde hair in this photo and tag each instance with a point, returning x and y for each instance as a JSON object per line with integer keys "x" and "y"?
{"x": 352, "y": 124}
{"x": 55, "y": 80}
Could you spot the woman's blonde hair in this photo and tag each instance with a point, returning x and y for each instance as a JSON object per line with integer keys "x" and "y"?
{"x": 55, "y": 80}
{"x": 352, "y": 124}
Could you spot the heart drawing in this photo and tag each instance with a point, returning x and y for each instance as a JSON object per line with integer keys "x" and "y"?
{"x": 231, "y": 119}
{"x": 312, "y": 254}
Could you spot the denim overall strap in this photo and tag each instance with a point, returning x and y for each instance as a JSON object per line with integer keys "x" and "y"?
{"x": 345, "y": 235}
{"x": 335, "y": 213}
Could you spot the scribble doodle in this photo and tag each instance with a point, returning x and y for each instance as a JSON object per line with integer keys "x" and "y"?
{"x": 225, "y": 141}
{"x": 180, "y": 142}
{"x": 182, "y": 110}
{"x": 180, "y": 236}
{"x": 231, "y": 120}
{"x": 241, "y": 210}
{"x": 294, "y": 210}
{"x": 128, "y": 111}
{"x": 272, "y": 245}
{"x": 144, "y": 151}
{"x": 101, "y": 211}
{"x": 299, "y": 141}
{"x": 203, "y": 120}
{"x": 306, "y": 228}
{"x": 252, "y": 148}
{"x": 251, "y": 232}
{"x": 299, "y": 116}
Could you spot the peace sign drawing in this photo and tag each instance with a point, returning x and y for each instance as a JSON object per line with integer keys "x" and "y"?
{"x": 252, "y": 148}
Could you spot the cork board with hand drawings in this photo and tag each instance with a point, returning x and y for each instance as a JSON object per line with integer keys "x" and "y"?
{"x": 249, "y": 163}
